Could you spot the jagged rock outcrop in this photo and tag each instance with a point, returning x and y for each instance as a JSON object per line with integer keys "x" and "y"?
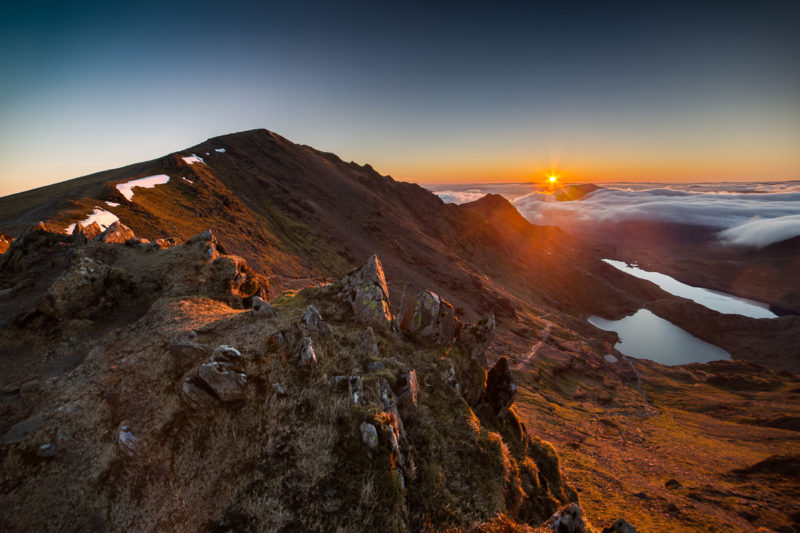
{"x": 365, "y": 290}
{"x": 196, "y": 417}
{"x": 475, "y": 338}
{"x": 307, "y": 356}
{"x": 500, "y": 388}
{"x": 83, "y": 234}
{"x": 431, "y": 318}
{"x": 313, "y": 322}
{"x": 77, "y": 289}
{"x": 369, "y": 345}
{"x": 116, "y": 233}
{"x": 408, "y": 397}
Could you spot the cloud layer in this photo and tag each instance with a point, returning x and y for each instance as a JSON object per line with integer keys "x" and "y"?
{"x": 746, "y": 214}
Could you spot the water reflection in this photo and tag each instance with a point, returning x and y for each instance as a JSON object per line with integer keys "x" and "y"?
{"x": 647, "y": 336}
{"x": 715, "y": 300}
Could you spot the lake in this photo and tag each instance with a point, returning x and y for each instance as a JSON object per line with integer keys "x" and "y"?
{"x": 645, "y": 335}
{"x": 714, "y": 300}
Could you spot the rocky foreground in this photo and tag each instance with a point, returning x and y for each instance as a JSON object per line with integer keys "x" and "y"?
{"x": 175, "y": 395}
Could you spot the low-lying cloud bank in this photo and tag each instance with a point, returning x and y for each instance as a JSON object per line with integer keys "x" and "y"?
{"x": 746, "y": 214}
{"x": 763, "y": 232}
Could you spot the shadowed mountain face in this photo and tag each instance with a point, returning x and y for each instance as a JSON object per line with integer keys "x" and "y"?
{"x": 299, "y": 218}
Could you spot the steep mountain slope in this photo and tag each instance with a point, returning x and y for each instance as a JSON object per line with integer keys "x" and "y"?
{"x": 300, "y": 217}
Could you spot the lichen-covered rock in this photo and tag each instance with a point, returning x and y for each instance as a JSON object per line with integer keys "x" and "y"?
{"x": 500, "y": 388}
{"x": 369, "y": 435}
{"x": 365, "y": 289}
{"x": 408, "y": 398}
{"x": 116, "y": 233}
{"x": 313, "y": 322}
{"x": 227, "y": 384}
{"x": 431, "y": 318}
{"x": 307, "y": 356}
{"x": 78, "y": 288}
{"x": 568, "y": 519}
{"x": 475, "y": 338}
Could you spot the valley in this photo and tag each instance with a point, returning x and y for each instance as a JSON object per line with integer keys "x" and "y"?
{"x": 726, "y": 432}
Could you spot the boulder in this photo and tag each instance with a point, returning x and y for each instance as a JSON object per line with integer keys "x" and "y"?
{"x": 76, "y": 289}
{"x": 307, "y": 356}
{"x": 116, "y": 233}
{"x": 369, "y": 344}
{"x": 227, "y": 384}
{"x": 262, "y": 307}
{"x": 500, "y": 388}
{"x": 620, "y": 526}
{"x": 475, "y": 338}
{"x": 365, "y": 290}
{"x": 569, "y": 519}
{"x": 313, "y": 322}
{"x": 369, "y": 435}
{"x": 226, "y": 354}
{"x": 408, "y": 398}
{"x": 186, "y": 352}
{"x": 196, "y": 396}
{"x": 431, "y": 318}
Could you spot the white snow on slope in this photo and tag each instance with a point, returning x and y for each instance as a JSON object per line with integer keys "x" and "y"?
{"x": 220, "y": 150}
{"x": 126, "y": 189}
{"x": 103, "y": 218}
{"x": 184, "y": 178}
{"x": 112, "y": 204}
{"x": 192, "y": 159}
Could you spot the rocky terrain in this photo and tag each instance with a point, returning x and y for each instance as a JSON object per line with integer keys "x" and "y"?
{"x": 266, "y": 375}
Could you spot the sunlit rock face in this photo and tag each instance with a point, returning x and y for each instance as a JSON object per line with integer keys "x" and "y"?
{"x": 431, "y": 318}
{"x": 365, "y": 289}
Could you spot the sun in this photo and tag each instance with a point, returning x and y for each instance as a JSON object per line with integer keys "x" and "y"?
{"x": 552, "y": 179}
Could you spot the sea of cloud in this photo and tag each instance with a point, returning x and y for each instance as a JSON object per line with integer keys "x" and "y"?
{"x": 746, "y": 214}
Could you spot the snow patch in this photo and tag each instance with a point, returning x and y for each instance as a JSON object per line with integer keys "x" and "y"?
{"x": 220, "y": 150}
{"x": 112, "y": 204}
{"x": 192, "y": 159}
{"x": 184, "y": 178}
{"x": 103, "y": 218}
{"x": 126, "y": 189}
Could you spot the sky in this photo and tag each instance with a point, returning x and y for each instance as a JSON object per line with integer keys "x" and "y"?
{"x": 433, "y": 92}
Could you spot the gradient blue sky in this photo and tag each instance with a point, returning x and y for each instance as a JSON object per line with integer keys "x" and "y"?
{"x": 434, "y": 92}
